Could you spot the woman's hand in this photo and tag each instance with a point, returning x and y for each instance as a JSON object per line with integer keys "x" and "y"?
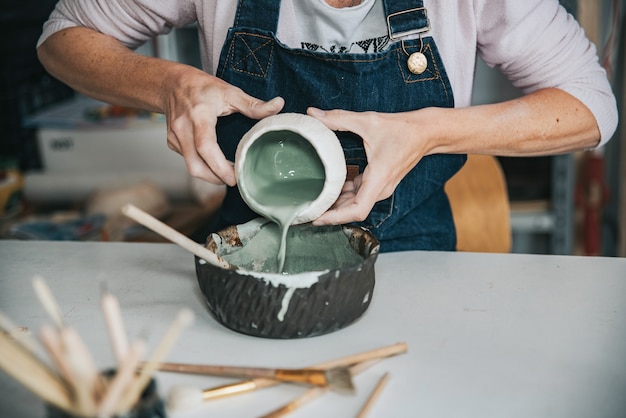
{"x": 390, "y": 155}
{"x": 547, "y": 121}
{"x": 192, "y": 106}
{"x": 101, "y": 67}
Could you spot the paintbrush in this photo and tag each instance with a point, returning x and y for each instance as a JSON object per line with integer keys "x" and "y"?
{"x": 187, "y": 397}
{"x": 80, "y": 369}
{"x": 184, "y": 319}
{"x": 122, "y": 379}
{"x": 13, "y": 331}
{"x": 115, "y": 325}
{"x": 314, "y": 393}
{"x": 337, "y": 378}
{"x": 48, "y": 301}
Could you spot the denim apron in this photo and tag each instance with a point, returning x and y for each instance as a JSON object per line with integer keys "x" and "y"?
{"x": 417, "y": 216}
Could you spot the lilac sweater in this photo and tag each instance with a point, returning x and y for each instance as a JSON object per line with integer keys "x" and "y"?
{"x": 535, "y": 43}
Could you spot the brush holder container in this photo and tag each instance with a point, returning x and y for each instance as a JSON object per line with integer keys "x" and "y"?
{"x": 287, "y": 156}
{"x": 285, "y": 306}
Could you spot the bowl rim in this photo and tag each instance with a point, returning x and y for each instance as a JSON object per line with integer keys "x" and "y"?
{"x": 255, "y": 225}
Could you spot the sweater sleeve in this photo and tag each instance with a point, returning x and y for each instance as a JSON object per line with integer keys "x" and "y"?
{"x": 537, "y": 44}
{"x": 132, "y": 22}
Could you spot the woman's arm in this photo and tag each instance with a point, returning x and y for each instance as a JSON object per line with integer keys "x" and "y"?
{"x": 568, "y": 104}
{"x": 100, "y": 66}
{"x": 547, "y": 121}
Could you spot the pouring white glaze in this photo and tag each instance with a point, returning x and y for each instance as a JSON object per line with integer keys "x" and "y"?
{"x": 290, "y": 169}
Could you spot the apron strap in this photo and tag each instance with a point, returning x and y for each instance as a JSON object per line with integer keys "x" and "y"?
{"x": 260, "y": 14}
{"x": 405, "y": 17}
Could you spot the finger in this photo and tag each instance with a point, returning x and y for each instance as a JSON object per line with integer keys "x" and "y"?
{"x": 211, "y": 154}
{"x": 180, "y": 138}
{"x": 198, "y": 169}
{"x": 339, "y": 120}
{"x": 255, "y": 108}
{"x": 348, "y": 186}
{"x": 354, "y": 209}
{"x": 343, "y": 200}
{"x": 194, "y": 163}
{"x": 173, "y": 145}
{"x": 348, "y": 191}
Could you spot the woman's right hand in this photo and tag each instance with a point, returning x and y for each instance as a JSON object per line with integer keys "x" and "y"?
{"x": 99, "y": 66}
{"x": 192, "y": 104}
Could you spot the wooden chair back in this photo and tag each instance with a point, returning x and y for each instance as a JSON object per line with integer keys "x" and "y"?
{"x": 480, "y": 206}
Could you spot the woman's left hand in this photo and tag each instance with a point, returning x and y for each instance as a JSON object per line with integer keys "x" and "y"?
{"x": 390, "y": 157}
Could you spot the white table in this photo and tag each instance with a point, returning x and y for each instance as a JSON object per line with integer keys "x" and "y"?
{"x": 488, "y": 335}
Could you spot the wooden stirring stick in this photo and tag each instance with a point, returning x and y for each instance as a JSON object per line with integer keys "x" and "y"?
{"x": 176, "y": 237}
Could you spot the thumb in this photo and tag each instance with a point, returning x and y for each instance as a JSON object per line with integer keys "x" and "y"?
{"x": 258, "y": 109}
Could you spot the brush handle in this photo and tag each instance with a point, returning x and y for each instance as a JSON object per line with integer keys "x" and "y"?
{"x": 121, "y": 380}
{"x": 48, "y": 301}
{"x": 115, "y": 326}
{"x": 176, "y": 237}
{"x": 184, "y": 318}
{"x": 305, "y": 376}
{"x": 301, "y": 400}
{"x": 33, "y": 374}
{"x": 10, "y": 328}
{"x": 267, "y": 373}
{"x": 223, "y": 371}
{"x": 369, "y": 403}
{"x": 378, "y": 353}
{"x": 230, "y": 389}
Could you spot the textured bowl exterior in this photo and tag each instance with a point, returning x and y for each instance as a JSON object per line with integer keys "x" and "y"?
{"x": 324, "y": 141}
{"x": 251, "y": 305}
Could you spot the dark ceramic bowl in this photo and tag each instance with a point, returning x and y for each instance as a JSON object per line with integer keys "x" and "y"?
{"x": 299, "y": 305}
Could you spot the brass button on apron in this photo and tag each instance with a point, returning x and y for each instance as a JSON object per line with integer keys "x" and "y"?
{"x": 417, "y": 63}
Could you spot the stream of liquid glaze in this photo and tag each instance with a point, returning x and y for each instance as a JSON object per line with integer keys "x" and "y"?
{"x": 288, "y": 177}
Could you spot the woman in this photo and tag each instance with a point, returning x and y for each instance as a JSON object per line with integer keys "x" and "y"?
{"x": 358, "y": 67}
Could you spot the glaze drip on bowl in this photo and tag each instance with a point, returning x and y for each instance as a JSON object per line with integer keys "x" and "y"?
{"x": 298, "y": 305}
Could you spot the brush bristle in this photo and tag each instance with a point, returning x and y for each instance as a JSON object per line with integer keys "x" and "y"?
{"x": 183, "y": 397}
{"x": 340, "y": 379}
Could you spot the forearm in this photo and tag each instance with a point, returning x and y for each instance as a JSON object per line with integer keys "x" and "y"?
{"x": 192, "y": 100}
{"x": 101, "y": 67}
{"x": 549, "y": 121}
